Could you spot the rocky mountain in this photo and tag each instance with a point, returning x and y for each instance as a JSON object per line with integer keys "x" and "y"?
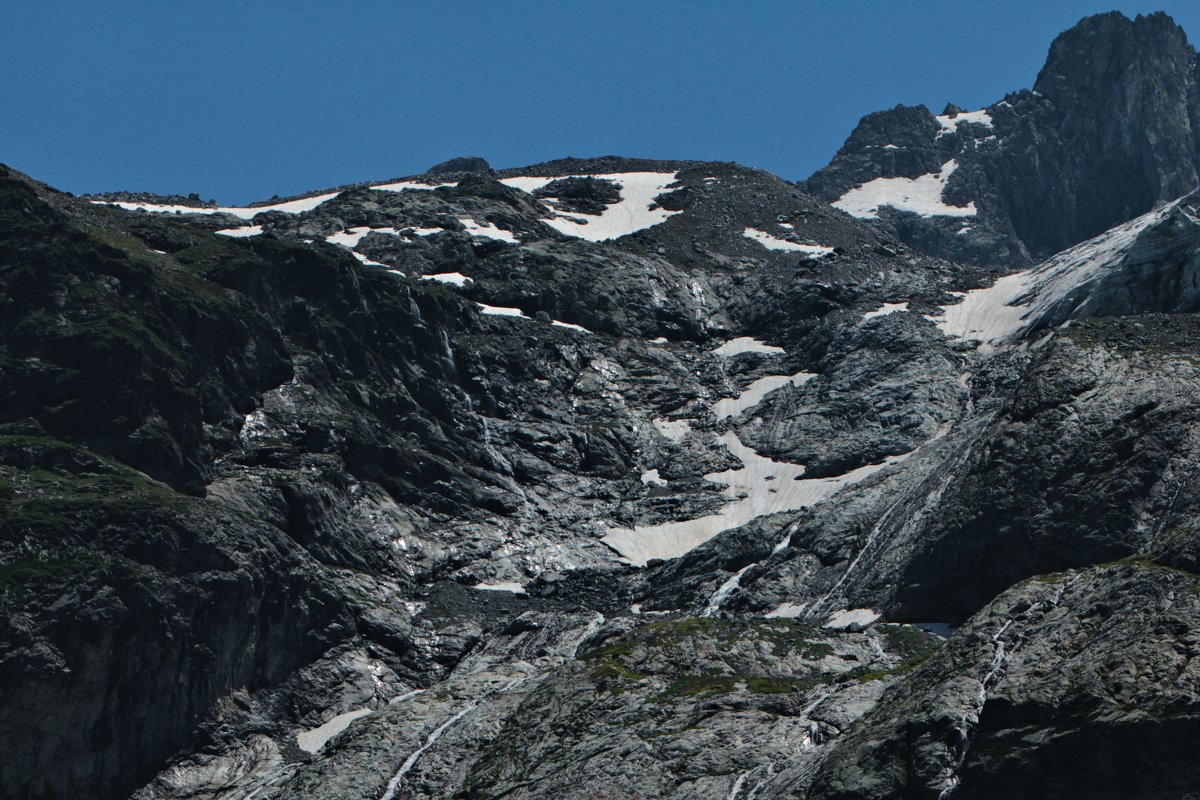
{"x": 620, "y": 478}
{"x": 1110, "y": 129}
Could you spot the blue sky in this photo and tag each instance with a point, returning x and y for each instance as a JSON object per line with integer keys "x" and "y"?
{"x": 243, "y": 100}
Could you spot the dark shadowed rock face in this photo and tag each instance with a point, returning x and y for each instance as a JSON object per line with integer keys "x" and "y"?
{"x": 1110, "y": 129}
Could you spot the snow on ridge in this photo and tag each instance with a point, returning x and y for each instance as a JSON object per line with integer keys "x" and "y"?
{"x": 406, "y": 186}
{"x": 950, "y": 124}
{"x": 244, "y": 212}
{"x": 774, "y": 243}
{"x": 630, "y": 214}
{"x": 1000, "y": 313}
{"x": 921, "y": 195}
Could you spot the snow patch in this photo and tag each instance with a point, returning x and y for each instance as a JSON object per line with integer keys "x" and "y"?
{"x": 569, "y": 326}
{"x": 488, "y": 231}
{"x": 632, "y": 213}
{"x": 921, "y": 195}
{"x": 753, "y": 394}
{"x": 774, "y": 243}
{"x": 1002, "y": 312}
{"x": 651, "y": 478}
{"x": 314, "y": 739}
{"x": 760, "y": 486}
{"x": 242, "y": 232}
{"x": 500, "y": 311}
{"x": 852, "y": 617}
{"x": 950, "y": 124}
{"x": 501, "y": 586}
{"x": 453, "y": 278}
{"x": 244, "y": 212}
{"x": 744, "y": 344}
{"x": 786, "y": 611}
{"x": 672, "y": 429}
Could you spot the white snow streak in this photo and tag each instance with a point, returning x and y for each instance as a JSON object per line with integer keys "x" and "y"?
{"x": 755, "y": 392}
{"x": 1000, "y": 313}
{"x": 501, "y": 586}
{"x": 571, "y": 326}
{"x": 244, "y": 212}
{"x": 774, "y": 243}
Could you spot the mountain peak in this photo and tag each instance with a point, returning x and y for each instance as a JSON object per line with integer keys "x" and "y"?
{"x": 1102, "y": 53}
{"x": 1111, "y": 129}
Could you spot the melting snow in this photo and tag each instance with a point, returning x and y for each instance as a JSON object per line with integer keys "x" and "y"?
{"x": 773, "y": 243}
{"x": 245, "y": 230}
{"x": 631, "y": 214}
{"x": 745, "y": 344}
{"x": 922, "y": 195}
{"x": 289, "y": 207}
{"x": 885, "y": 309}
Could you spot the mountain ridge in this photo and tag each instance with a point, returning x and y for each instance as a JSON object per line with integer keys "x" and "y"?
{"x": 650, "y": 478}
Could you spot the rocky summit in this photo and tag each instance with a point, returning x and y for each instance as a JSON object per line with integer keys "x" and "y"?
{"x": 624, "y": 478}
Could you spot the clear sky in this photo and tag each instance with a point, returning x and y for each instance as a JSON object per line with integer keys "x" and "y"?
{"x": 243, "y": 100}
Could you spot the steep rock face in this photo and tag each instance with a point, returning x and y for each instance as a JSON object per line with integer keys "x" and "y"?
{"x": 1073, "y": 685}
{"x": 1109, "y": 130}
